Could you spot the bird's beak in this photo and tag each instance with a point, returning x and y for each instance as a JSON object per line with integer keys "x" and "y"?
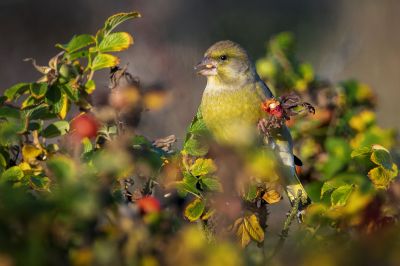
{"x": 207, "y": 67}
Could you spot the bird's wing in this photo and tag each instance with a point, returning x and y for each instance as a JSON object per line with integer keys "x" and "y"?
{"x": 281, "y": 141}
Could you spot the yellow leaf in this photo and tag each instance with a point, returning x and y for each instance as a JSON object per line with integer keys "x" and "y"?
{"x": 25, "y": 167}
{"x": 381, "y": 177}
{"x": 272, "y": 196}
{"x": 362, "y": 120}
{"x": 30, "y": 152}
{"x": 203, "y": 167}
{"x": 65, "y": 107}
{"x": 253, "y": 227}
{"x": 207, "y": 215}
{"x": 243, "y": 235}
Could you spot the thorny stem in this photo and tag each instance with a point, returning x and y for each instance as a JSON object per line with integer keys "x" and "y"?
{"x": 286, "y": 226}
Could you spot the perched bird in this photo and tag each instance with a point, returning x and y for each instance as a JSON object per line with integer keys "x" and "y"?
{"x": 231, "y": 111}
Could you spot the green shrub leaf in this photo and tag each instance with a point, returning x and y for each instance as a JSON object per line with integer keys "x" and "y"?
{"x": 381, "y": 176}
{"x": 340, "y": 195}
{"x": 117, "y": 19}
{"x": 360, "y": 151}
{"x": 115, "y": 42}
{"x": 16, "y": 90}
{"x": 9, "y": 112}
{"x": 104, "y": 61}
{"x": 381, "y": 156}
{"x": 212, "y": 183}
{"x": 194, "y": 210}
{"x": 56, "y": 129}
{"x": 38, "y": 90}
{"x": 12, "y": 174}
{"x": 195, "y": 147}
{"x": 77, "y": 42}
{"x": 203, "y": 166}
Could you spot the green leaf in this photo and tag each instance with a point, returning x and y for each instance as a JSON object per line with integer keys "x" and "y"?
{"x": 33, "y": 125}
{"x": 56, "y": 129}
{"x": 39, "y": 112}
{"x": 38, "y": 90}
{"x": 339, "y": 155}
{"x": 198, "y": 127}
{"x": 3, "y": 163}
{"x": 3, "y": 99}
{"x": 381, "y": 177}
{"x": 339, "y": 148}
{"x": 381, "y": 156}
{"x": 253, "y": 227}
{"x": 139, "y": 140}
{"x": 187, "y": 185}
{"x": 54, "y": 98}
{"x": 117, "y": 19}
{"x": 62, "y": 168}
{"x": 90, "y": 86}
{"x": 16, "y": 90}
{"x": 115, "y": 42}
{"x": 77, "y": 43}
{"x": 331, "y": 185}
{"x": 212, "y": 183}
{"x": 183, "y": 189}
{"x": 251, "y": 192}
{"x": 9, "y": 112}
{"x": 360, "y": 151}
{"x": 104, "y": 61}
{"x": 87, "y": 145}
{"x": 71, "y": 93}
{"x": 193, "y": 146}
{"x": 76, "y": 55}
{"x": 195, "y": 209}
{"x": 203, "y": 166}
{"x": 340, "y": 195}
{"x": 30, "y": 101}
{"x": 41, "y": 183}
{"x": 12, "y": 174}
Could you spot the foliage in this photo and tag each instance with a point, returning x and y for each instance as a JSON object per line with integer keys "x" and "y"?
{"x": 86, "y": 189}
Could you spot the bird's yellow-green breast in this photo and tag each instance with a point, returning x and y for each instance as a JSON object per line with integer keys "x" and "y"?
{"x": 231, "y": 114}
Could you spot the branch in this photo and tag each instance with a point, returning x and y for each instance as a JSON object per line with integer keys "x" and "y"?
{"x": 285, "y": 230}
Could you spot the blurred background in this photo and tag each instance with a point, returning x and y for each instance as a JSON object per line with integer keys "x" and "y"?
{"x": 342, "y": 39}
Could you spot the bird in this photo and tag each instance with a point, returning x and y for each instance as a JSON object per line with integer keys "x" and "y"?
{"x": 230, "y": 109}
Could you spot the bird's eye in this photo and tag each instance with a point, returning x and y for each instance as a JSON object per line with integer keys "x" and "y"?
{"x": 223, "y": 57}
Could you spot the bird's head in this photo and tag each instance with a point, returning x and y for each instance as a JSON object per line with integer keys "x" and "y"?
{"x": 227, "y": 61}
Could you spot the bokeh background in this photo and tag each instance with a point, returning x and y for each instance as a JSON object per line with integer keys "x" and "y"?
{"x": 342, "y": 39}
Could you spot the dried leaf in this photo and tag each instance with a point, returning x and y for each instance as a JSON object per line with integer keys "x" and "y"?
{"x": 243, "y": 235}
{"x": 253, "y": 227}
{"x": 272, "y": 196}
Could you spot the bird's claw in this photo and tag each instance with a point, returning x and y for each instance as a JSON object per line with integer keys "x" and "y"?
{"x": 300, "y": 216}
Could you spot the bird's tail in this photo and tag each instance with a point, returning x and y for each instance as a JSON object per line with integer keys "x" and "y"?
{"x": 291, "y": 181}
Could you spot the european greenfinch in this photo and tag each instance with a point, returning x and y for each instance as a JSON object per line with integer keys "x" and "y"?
{"x": 231, "y": 109}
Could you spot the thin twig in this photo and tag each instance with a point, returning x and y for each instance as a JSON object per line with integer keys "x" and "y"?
{"x": 286, "y": 226}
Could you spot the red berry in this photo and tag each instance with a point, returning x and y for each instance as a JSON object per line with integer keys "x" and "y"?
{"x": 148, "y": 204}
{"x": 273, "y": 107}
{"x": 84, "y": 125}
